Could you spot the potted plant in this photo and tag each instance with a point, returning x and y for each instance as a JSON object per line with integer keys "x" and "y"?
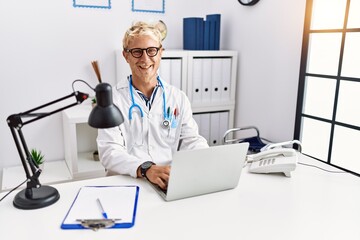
{"x": 38, "y": 157}
{"x": 93, "y": 101}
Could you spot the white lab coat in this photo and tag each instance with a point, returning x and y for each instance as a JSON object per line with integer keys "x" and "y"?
{"x": 123, "y": 149}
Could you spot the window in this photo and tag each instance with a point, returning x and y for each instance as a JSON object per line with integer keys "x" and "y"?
{"x": 328, "y": 108}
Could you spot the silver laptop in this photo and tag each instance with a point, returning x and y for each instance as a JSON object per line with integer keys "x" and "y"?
{"x": 202, "y": 171}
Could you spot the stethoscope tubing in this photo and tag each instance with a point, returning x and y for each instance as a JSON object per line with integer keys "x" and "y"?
{"x": 135, "y": 105}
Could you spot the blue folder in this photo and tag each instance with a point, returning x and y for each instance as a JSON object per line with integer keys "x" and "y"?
{"x": 214, "y": 22}
{"x": 193, "y": 33}
{"x": 207, "y": 35}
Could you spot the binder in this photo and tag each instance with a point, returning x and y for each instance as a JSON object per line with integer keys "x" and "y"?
{"x": 200, "y": 34}
{"x": 196, "y": 117}
{"x": 216, "y": 79}
{"x": 165, "y": 70}
{"x": 190, "y": 32}
{"x": 196, "y": 81}
{"x": 119, "y": 202}
{"x": 224, "y": 124}
{"x": 226, "y": 79}
{"x": 175, "y": 72}
{"x": 206, "y": 80}
{"x": 205, "y": 126}
{"x": 206, "y": 35}
{"x": 214, "y": 21}
{"x": 215, "y": 138}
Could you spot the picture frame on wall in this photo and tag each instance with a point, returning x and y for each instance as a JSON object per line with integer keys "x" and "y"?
{"x": 154, "y": 6}
{"x": 92, "y": 3}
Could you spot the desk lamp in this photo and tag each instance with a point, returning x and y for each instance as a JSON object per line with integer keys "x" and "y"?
{"x": 104, "y": 115}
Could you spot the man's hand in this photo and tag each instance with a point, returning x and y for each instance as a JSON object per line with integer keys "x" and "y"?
{"x": 159, "y": 175}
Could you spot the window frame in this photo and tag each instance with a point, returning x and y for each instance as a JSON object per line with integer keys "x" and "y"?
{"x": 303, "y": 74}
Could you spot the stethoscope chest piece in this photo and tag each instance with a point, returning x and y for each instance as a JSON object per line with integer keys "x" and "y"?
{"x": 165, "y": 124}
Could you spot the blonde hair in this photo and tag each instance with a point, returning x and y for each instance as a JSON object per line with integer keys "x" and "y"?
{"x": 142, "y": 29}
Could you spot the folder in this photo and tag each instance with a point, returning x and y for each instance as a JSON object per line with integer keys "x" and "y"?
{"x": 214, "y": 31}
{"x": 165, "y": 70}
{"x": 196, "y": 81}
{"x": 216, "y": 79}
{"x": 119, "y": 203}
{"x": 215, "y": 138}
{"x": 175, "y": 73}
{"x": 226, "y": 79}
{"x": 196, "y": 117}
{"x": 206, "y": 35}
{"x": 224, "y": 124}
{"x": 204, "y": 128}
{"x": 200, "y": 34}
{"x": 206, "y": 80}
{"x": 191, "y": 35}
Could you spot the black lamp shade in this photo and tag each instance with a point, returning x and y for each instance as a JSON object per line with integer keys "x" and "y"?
{"x": 105, "y": 114}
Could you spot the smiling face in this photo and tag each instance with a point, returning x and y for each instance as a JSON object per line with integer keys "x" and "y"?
{"x": 144, "y": 69}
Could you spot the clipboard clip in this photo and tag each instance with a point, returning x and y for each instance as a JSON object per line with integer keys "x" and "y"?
{"x": 96, "y": 224}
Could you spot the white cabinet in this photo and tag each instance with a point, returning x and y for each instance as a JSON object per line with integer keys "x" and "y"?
{"x": 80, "y": 143}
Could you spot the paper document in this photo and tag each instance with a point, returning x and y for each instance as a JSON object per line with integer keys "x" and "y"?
{"x": 118, "y": 202}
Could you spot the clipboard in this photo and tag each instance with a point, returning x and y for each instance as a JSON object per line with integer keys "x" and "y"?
{"x": 119, "y": 203}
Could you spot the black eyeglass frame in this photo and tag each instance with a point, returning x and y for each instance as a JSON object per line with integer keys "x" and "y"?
{"x": 142, "y": 51}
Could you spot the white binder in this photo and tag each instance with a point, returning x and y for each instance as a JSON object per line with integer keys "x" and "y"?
{"x": 206, "y": 80}
{"x": 215, "y": 129}
{"x": 205, "y": 126}
{"x": 196, "y": 81}
{"x": 196, "y": 117}
{"x": 176, "y": 73}
{"x": 224, "y": 124}
{"x": 216, "y": 83}
{"x": 165, "y": 70}
{"x": 226, "y": 79}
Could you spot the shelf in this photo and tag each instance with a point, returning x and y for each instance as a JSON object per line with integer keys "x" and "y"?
{"x": 88, "y": 167}
{"x": 54, "y": 172}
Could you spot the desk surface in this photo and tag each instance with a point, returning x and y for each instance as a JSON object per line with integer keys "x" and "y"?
{"x": 312, "y": 204}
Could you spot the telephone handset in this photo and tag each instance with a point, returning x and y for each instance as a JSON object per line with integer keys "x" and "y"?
{"x": 274, "y": 160}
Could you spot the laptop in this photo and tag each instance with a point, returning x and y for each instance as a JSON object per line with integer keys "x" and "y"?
{"x": 203, "y": 171}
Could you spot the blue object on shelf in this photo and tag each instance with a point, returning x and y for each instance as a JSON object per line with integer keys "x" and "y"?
{"x": 214, "y": 22}
{"x": 193, "y": 33}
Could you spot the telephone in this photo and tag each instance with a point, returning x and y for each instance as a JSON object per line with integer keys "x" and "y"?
{"x": 274, "y": 160}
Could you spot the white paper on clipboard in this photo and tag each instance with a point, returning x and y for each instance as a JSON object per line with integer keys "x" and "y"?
{"x": 119, "y": 202}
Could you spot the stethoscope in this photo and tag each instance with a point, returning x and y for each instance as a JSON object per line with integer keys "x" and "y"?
{"x": 166, "y": 122}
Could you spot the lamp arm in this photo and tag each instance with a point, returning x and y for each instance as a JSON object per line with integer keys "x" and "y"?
{"x": 15, "y": 123}
{"x": 80, "y": 97}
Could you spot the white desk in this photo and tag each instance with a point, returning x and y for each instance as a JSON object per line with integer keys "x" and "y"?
{"x": 313, "y": 204}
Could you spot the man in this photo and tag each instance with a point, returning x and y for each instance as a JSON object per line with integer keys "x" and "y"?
{"x": 159, "y": 115}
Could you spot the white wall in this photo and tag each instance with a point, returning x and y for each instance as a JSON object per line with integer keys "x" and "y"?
{"x": 46, "y": 45}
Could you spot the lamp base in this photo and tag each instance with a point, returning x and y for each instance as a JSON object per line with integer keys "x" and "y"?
{"x": 41, "y": 197}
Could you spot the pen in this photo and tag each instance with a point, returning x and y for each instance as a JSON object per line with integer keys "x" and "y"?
{"x": 175, "y": 113}
{"x": 101, "y": 209}
{"x": 168, "y": 112}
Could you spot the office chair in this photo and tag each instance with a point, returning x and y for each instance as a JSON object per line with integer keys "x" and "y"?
{"x": 255, "y": 141}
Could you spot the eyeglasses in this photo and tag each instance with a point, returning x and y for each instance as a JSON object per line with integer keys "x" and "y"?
{"x": 138, "y": 52}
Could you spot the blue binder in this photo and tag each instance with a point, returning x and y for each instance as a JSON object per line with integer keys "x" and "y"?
{"x": 214, "y": 21}
{"x": 207, "y": 35}
{"x": 200, "y": 34}
{"x": 193, "y": 33}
